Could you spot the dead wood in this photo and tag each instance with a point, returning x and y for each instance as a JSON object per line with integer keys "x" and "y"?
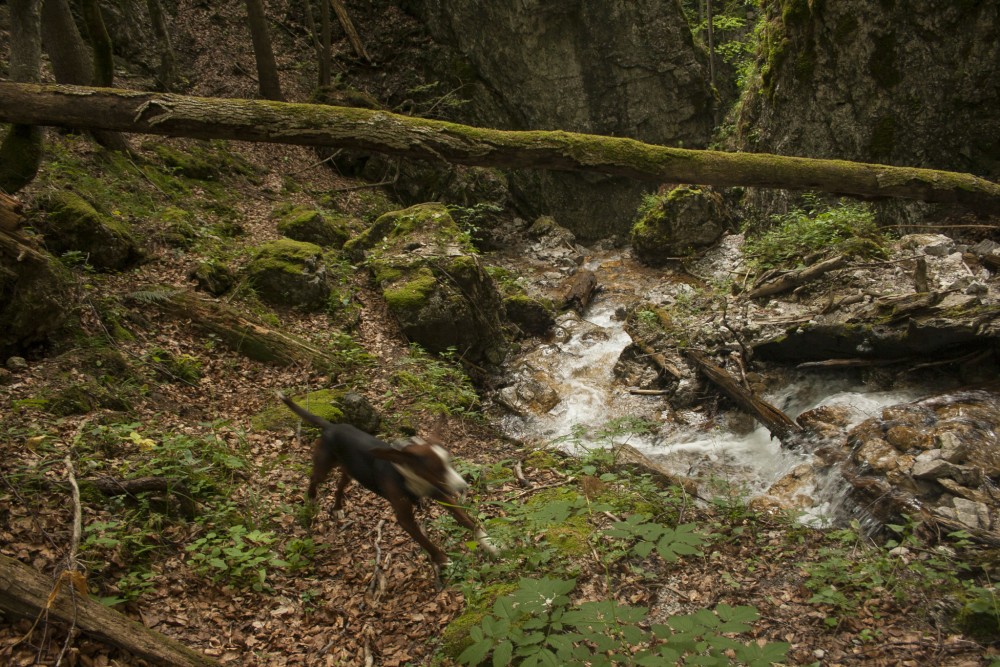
{"x": 438, "y": 141}
{"x": 793, "y": 279}
{"x": 10, "y": 213}
{"x": 659, "y": 359}
{"x": 27, "y": 593}
{"x": 239, "y": 331}
{"x": 629, "y": 455}
{"x": 352, "y": 34}
{"x": 580, "y": 290}
{"x": 779, "y": 424}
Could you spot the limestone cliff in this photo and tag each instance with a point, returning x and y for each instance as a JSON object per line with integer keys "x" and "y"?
{"x": 614, "y": 67}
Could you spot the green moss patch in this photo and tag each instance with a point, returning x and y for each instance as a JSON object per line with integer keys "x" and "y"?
{"x": 312, "y": 226}
{"x": 72, "y": 224}
{"x": 323, "y": 403}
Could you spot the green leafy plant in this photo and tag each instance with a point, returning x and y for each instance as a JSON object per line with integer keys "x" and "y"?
{"x": 238, "y": 556}
{"x": 538, "y": 624}
{"x": 300, "y": 553}
{"x": 645, "y": 536}
{"x": 847, "y": 228}
{"x": 435, "y": 384}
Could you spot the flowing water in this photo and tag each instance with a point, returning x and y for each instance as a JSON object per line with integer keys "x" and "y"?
{"x": 578, "y": 368}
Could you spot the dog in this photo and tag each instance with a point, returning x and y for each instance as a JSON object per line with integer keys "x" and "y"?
{"x": 403, "y": 476}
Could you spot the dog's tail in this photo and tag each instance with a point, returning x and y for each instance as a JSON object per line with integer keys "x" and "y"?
{"x": 316, "y": 420}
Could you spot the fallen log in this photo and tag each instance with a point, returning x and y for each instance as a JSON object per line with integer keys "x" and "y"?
{"x": 779, "y": 424}
{"x": 661, "y": 361}
{"x": 27, "y": 593}
{"x": 579, "y": 291}
{"x": 793, "y": 279}
{"x": 10, "y": 213}
{"x": 238, "y": 331}
{"x": 352, "y": 34}
{"x": 436, "y": 141}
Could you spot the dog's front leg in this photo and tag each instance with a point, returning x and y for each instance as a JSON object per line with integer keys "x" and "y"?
{"x": 403, "y": 509}
{"x": 338, "y": 496}
{"x": 484, "y": 541}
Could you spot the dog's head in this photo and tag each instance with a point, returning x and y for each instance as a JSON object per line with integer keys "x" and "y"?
{"x": 426, "y": 466}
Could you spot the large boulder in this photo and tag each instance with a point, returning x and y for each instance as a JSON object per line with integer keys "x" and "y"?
{"x": 434, "y": 283}
{"x": 33, "y": 295}
{"x": 678, "y": 222}
{"x": 612, "y": 67}
{"x": 290, "y": 273}
{"x": 311, "y": 226}
{"x": 72, "y": 224}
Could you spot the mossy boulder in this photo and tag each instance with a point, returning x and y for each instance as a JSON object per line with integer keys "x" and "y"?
{"x": 177, "y": 227}
{"x": 678, "y": 223}
{"x": 533, "y": 316}
{"x": 312, "y": 226}
{"x": 71, "y": 223}
{"x": 290, "y": 273}
{"x": 35, "y": 296}
{"x": 434, "y": 283}
{"x": 334, "y": 405}
{"x": 212, "y": 276}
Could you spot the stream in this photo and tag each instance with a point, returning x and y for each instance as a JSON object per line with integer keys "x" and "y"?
{"x": 568, "y": 394}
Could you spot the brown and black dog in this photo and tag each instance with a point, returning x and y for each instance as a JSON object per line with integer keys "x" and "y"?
{"x": 403, "y": 476}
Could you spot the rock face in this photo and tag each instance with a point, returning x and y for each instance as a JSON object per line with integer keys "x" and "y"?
{"x": 894, "y": 82}
{"x": 434, "y": 283}
{"x": 613, "y": 67}
{"x": 311, "y": 226}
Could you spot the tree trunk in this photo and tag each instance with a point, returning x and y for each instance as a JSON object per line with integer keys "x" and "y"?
{"x": 166, "y": 74}
{"x": 70, "y": 58}
{"x": 104, "y": 61}
{"x": 325, "y": 40}
{"x": 437, "y": 141}
{"x": 21, "y": 151}
{"x": 28, "y": 593}
{"x": 68, "y": 53}
{"x": 348, "y": 26}
{"x": 267, "y": 67}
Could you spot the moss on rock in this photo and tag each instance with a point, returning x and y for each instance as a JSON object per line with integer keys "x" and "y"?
{"x": 678, "y": 222}
{"x": 311, "y": 226}
{"x": 325, "y": 403}
{"x": 71, "y": 223}
{"x": 290, "y": 273}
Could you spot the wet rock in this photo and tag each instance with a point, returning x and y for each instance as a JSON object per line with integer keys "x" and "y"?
{"x": 953, "y": 475}
{"x": 533, "y": 316}
{"x": 530, "y": 394}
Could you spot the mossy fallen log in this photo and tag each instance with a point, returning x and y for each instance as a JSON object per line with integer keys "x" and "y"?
{"x": 28, "y": 593}
{"x": 239, "y": 331}
{"x": 384, "y": 132}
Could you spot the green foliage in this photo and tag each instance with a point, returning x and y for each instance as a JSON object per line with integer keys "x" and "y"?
{"x": 850, "y": 573}
{"x": 847, "y": 228}
{"x": 645, "y": 535}
{"x": 539, "y": 624}
{"x": 435, "y": 384}
{"x": 238, "y": 556}
{"x": 300, "y": 553}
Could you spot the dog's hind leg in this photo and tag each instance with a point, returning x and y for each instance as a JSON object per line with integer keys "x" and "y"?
{"x": 323, "y": 461}
{"x": 338, "y": 497}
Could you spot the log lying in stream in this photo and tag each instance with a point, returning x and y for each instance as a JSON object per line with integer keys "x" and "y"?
{"x": 779, "y": 424}
{"x": 28, "y": 593}
{"x": 437, "y": 141}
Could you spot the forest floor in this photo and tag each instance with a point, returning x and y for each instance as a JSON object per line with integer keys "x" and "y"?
{"x": 361, "y": 592}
